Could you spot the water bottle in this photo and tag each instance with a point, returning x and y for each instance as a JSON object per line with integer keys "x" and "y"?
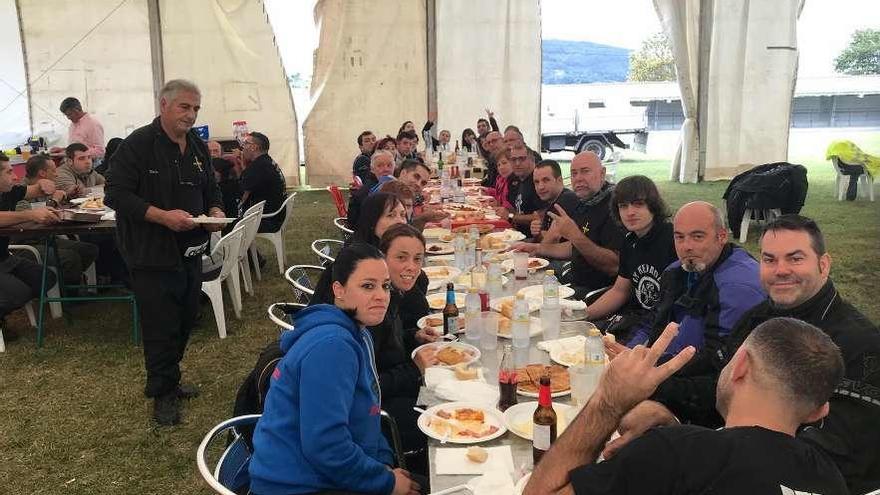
{"x": 520, "y": 325}
{"x": 479, "y": 274}
{"x": 472, "y": 316}
{"x": 551, "y": 290}
{"x": 459, "y": 245}
{"x": 594, "y": 358}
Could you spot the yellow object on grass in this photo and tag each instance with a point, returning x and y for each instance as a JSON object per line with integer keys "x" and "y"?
{"x": 849, "y": 153}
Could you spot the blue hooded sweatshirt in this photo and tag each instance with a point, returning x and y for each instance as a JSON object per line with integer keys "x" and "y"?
{"x": 320, "y": 428}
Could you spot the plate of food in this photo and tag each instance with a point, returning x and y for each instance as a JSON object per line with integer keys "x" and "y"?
{"x": 483, "y": 228}
{"x": 499, "y": 258}
{"x": 493, "y": 244}
{"x": 467, "y": 216}
{"x": 462, "y": 423}
{"x": 456, "y": 207}
{"x": 463, "y": 281}
{"x": 504, "y": 327}
{"x": 438, "y": 300}
{"x": 450, "y": 354}
{"x": 439, "y": 275}
{"x": 508, "y": 235}
{"x": 92, "y": 203}
{"x": 534, "y": 264}
{"x": 537, "y": 292}
{"x": 528, "y": 380}
{"x": 504, "y": 305}
{"x": 434, "y": 232}
{"x": 439, "y": 248}
{"x": 213, "y": 220}
{"x": 441, "y": 260}
{"x": 518, "y": 418}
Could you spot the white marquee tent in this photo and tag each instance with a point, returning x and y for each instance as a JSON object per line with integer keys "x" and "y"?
{"x": 380, "y": 62}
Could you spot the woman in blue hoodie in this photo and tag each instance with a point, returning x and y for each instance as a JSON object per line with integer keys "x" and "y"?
{"x": 320, "y": 430}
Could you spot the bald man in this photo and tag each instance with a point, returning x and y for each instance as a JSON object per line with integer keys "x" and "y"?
{"x": 711, "y": 286}
{"x": 590, "y": 237}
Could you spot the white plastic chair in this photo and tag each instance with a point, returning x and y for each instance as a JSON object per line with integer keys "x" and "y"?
{"x": 303, "y": 278}
{"x": 865, "y": 181}
{"x": 611, "y": 164}
{"x": 759, "y": 217}
{"x": 231, "y": 470}
{"x": 326, "y": 250}
{"x": 251, "y": 223}
{"x": 257, "y": 207}
{"x": 54, "y": 291}
{"x": 228, "y": 247}
{"x": 276, "y": 238}
{"x": 341, "y": 223}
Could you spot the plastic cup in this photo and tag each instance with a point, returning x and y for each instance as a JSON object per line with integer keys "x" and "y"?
{"x": 473, "y": 328}
{"x": 550, "y": 317}
{"x": 581, "y": 385}
{"x": 489, "y": 330}
{"x": 520, "y": 265}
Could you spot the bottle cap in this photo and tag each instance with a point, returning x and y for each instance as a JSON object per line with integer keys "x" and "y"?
{"x": 594, "y": 332}
{"x": 550, "y": 272}
{"x": 472, "y": 290}
{"x": 520, "y": 296}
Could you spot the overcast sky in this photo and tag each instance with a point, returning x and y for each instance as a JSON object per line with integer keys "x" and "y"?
{"x": 824, "y": 28}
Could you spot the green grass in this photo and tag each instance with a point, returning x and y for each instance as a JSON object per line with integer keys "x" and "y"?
{"x": 73, "y": 418}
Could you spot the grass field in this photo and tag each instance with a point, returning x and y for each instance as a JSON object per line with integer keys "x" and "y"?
{"x": 73, "y": 418}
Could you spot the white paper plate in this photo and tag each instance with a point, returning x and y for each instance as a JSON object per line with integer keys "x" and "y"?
{"x": 537, "y": 292}
{"x": 535, "y": 394}
{"x": 213, "y": 220}
{"x": 438, "y": 300}
{"x": 521, "y": 484}
{"x": 508, "y": 235}
{"x": 464, "y": 281}
{"x": 441, "y": 248}
{"x": 436, "y": 278}
{"x": 434, "y": 232}
{"x": 516, "y": 416}
{"x": 493, "y": 417}
{"x": 543, "y": 264}
{"x": 567, "y": 357}
{"x": 475, "y": 353}
{"x": 495, "y": 304}
{"x": 534, "y": 329}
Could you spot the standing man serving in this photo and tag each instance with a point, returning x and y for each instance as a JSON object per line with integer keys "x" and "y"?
{"x": 160, "y": 178}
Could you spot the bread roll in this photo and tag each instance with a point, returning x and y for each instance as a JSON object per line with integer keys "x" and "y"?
{"x": 477, "y": 454}
{"x": 465, "y": 373}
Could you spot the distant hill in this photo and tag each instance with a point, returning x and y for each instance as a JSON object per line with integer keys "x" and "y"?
{"x": 581, "y": 62}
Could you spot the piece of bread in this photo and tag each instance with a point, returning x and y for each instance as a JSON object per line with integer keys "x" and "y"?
{"x": 477, "y": 454}
{"x": 462, "y": 372}
{"x": 451, "y": 356}
{"x": 507, "y": 309}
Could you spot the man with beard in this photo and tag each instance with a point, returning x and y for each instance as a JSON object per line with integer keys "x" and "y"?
{"x": 590, "y": 238}
{"x": 780, "y": 378}
{"x": 706, "y": 291}
{"x": 795, "y": 271}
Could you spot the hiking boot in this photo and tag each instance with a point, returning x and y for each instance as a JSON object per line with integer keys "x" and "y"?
{"x": 9, "y": 335}
{"x": 166, "y": 409}
{"x": 187, "y": 391}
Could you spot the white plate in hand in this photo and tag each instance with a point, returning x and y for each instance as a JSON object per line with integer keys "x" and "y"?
{"x": 213, "y": 220}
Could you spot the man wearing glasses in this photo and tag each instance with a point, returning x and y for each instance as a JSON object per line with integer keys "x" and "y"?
{"x": 262, "y": 180}
{"x": 159, "y": 180}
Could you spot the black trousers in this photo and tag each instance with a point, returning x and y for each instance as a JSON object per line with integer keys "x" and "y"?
{"x": 20, "y": 282}
{"x": 168, "y": 303}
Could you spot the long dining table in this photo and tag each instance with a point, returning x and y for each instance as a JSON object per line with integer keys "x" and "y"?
{"x": 521, "y": 448}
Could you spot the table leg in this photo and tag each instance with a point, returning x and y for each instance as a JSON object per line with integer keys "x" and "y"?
{"x": 43, "y": 290}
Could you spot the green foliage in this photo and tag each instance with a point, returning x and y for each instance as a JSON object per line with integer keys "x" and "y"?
{"x": 862, "y": 56}
{"x": 653, "y": 61}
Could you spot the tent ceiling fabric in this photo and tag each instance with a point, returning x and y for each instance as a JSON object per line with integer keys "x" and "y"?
{"x": 15, "y": 118}
{"x": 370, "y": 73}
{"x": 64, "y": 59}
{"x": 489, "y": 56}
{"x": 231, "y": 54}
{"x": 751, "y": 82}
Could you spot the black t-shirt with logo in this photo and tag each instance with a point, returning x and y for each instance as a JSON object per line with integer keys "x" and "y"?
{"x": 642, "y": 261}
{"x": 8, "y": 201}
{"x": 596, "y": 223}
{"x": 264, "y": 179}
{"x": 692, "y": 459}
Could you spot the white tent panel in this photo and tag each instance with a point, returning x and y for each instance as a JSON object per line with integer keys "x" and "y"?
{"x": 227, "y": 47}
{"x": 103, "y": 58}
{"x": 489, "y": 56}
{"x": 370, "y": 73}
{"x": 15, "y": 124}
{"x": 752, "y": 72}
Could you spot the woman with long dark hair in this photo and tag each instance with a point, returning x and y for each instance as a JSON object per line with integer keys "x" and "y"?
{"x": 320, "y": 429}
{"x": 469, "y": 139}
{"x": 378, "y": 212}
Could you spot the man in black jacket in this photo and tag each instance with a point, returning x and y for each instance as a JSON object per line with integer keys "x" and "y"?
{"x": 160, "y": 179}
{"x": 794, "y": 272}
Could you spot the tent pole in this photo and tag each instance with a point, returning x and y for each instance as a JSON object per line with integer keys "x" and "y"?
{"x": 156, "y": 57}
{"x": 27, "y": 76}
{"x": 706, "y": 19}
{"x": 431, "y": 43}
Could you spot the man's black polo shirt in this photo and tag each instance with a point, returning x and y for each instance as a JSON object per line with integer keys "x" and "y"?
{"x": 594, "y": 219}
{"x": 569, "y": 202}
{"x": 264, "y": 179}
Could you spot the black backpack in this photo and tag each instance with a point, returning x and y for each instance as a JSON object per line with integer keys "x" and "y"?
{"x": 779, "y": 185}
{"x": 251, "y": 394}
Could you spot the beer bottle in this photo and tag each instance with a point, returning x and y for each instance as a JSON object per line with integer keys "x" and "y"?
{"x": 544, "y": 419}
{"x": 507, "y": 380}
{"x": 450, "y": 312}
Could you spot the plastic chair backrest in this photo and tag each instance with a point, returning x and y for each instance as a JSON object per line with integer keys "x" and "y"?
{"x": 230, "y": 244}
{"x": 230, "y": 474}
{"x": 298, "y": 277}
{"x": 251, "y": 224}
{"x": 338, "y": 200}
{"x": 257, "y": 207}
